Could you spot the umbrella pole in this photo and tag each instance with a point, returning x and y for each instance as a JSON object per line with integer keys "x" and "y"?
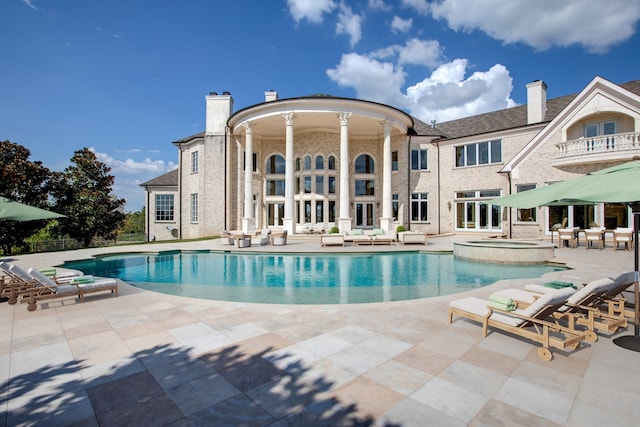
{"x": 632, "y": 342}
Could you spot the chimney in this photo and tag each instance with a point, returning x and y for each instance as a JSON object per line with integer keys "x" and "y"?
{"x": 270, "y": 95}
{"x": 536, "y": 101}
{"x": 219, "y": 109}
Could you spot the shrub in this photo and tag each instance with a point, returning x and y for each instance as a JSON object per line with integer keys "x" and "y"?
{"x": 400, "y": 229}
{"x": 334, "y": 230}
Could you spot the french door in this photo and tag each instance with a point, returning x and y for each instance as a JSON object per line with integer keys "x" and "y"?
{"x": 364, "y": 214}
{"x": 275, "y": 213}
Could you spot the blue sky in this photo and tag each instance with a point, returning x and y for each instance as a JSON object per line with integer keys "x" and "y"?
{"x": 126, "y": 78}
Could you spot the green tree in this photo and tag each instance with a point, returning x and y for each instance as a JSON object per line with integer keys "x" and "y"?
{"x": 133, "y": 222}
{"x": 24, "y": 181}
{"x": 83, "y": 192}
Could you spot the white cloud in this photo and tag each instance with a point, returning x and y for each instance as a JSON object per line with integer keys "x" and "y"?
{"x": 420, "y": 52}
{"x": 544, "y": 23}
{"x": 421, "y": 6}
{"x": 377, "y": 5}
{"x": 448, "y": 95}
{"x": 130, "y": 166}
{"x": 311, "y": 10}
{"x": 30, "y": 4}
{"x": 350, "y": 24}
{"x": 444, "y": 95}
{"x": 399, "y": 25}
{"x": 130, "y": 173}
{"x": 372, "y": 79}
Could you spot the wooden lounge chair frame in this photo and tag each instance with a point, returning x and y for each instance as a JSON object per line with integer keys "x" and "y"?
{"x": 583, "y": 308}
{"x": 535, "y": 328}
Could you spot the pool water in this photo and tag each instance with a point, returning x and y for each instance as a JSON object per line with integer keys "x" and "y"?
{"x": 307, "y": 278}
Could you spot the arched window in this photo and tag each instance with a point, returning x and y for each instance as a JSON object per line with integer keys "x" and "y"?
{"x": 364, "y": 164}
{"x": 319, "y": 162}
{"x": 297, "y": 164}
{"x": 275, "y": 164}
{"x": 332, "y": 163}
{"x": 307, "y": 162}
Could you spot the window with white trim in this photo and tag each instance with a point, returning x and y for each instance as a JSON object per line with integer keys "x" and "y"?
{"x": 529, "y": 214}
{"x": 419, "y": 207}
{"x": 164, "y": 207}
{"x": 419, "y": 160}
{"x": 194, "y": 208}
{"x": 194, "y": 162}
{"x": 480, "y": 153}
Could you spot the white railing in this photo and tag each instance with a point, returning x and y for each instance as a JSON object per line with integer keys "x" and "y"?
{"x": 600, "y": 144}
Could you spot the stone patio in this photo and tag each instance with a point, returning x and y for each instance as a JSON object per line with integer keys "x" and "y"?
{"x": 146, "y": 358}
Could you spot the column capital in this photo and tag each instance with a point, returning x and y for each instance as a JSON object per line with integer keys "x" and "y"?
{"x": 289, "y": 118}
{"x": 386, "y": 123}
{"x": 344, "y": 118}
{"x": 248, "y": 126}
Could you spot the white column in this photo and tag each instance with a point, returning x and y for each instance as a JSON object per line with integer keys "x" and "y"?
{"x": 386, "y": 221}
{"x": 344, "y": 220}
{"x": 248, "y": 220}
{"x": 289, "y": 219}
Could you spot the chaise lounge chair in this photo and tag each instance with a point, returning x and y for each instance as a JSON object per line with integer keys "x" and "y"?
{"x": 582, "y": 307}
{"x": 13, "y": 282}
{"x": 535, "y": 322}
{"x": 46, "y": 289}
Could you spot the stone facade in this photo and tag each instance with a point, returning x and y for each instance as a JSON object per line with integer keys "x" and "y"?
{"x": 469, "y": 162}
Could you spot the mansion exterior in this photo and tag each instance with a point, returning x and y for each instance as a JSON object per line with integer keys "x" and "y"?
{"x": 315, "y": 162}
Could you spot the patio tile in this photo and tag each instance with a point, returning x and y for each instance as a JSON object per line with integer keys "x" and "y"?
{"x": 179, "y": 372}
{"x": 90, "y": 329}
{"x": 292, "y": 359}
{"x": 324, "y": 344}
{"x": 425, "y": 360}
{"x": 324, "y": 375}
{"x": 251, "y": 373}
{"x": 491, "y": 360}
{"x": 282, "y": 396}
{"x": 200, "y": 393}
{"x": 537, "y": 399}
{"x": 410, "y": 412}
{"x": 472, "y": 377}
{"x": 353, "y": 333}
{"x": 451, "y": 399}
{"x": 199, "y": 337}
{"x": 398, "y": 377}
{"x": 235, "y": 411}
{"x": 99, "y": 373}
{"x": 369, "y": 398}
{"x": 133, "y": 400}
{"x": 496, "y": 413}
{"x": 99, "y": 347}
{"x": 243, "y": 331}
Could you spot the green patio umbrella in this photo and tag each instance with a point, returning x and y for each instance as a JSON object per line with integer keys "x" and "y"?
{"x": 15, "y": 211}
{"x": 617, "y": 184}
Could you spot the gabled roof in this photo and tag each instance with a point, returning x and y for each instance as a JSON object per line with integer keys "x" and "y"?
{"x": 627, "y": 93}
{"x": 169, "y": 179}
{"x": 511, "y": 118}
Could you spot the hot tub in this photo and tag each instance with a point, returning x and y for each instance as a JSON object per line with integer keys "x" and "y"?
{"x": 505, "y": 251}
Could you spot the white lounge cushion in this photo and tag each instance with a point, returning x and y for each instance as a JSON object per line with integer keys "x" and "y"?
{"x": 97, "y": 284}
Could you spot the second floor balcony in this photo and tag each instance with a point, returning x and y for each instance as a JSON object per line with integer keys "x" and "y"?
{"x": 617, "y": 146}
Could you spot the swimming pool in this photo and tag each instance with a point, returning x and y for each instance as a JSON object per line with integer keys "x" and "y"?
{"x": 307, "y": 278}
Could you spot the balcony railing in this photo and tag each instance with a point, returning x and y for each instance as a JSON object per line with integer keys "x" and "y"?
{"x": 600, "y": 144}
